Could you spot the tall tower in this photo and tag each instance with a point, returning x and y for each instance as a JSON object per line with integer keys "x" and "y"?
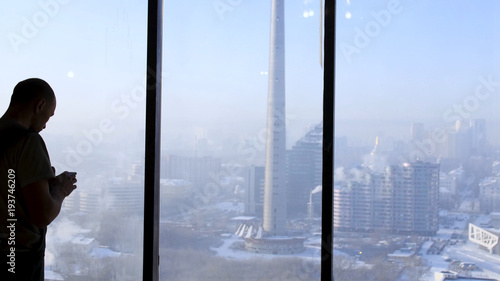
{"x": 275, "y": 174}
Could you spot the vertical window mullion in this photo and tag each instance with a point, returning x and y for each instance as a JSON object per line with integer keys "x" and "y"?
{"x": 328, "y": 134}
{"x": 153, "y": 133}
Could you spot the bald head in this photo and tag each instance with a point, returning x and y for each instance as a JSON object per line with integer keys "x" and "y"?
{"x": 30, "y": 90}
{"x": 32, "y": 104}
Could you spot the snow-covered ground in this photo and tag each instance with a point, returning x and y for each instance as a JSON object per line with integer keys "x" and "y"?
{"x": 312, "y": 252}
{"x": 455, "y": 231}
{"x": 465, "y": 251}
{"x": 488, "y": 264}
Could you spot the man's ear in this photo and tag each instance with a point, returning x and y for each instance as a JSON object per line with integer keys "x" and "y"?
{"x": 39, "y": 104}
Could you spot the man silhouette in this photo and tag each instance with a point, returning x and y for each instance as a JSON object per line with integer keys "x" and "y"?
{"x": 30, "y": 194}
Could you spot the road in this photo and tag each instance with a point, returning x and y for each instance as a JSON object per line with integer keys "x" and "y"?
{"x": 470, "y": 252}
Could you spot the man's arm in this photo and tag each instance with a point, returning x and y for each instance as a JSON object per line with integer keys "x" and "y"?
{"x": 44, "y": 203}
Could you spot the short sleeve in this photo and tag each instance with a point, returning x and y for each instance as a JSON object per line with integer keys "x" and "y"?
{"x": 33, "y": 163}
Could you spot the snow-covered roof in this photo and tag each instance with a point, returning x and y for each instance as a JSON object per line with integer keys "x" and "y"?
{"x": 488, "y": 181}
{"x": 243, "y": 218}
{"x": 444, "y": 190}
{"x": 174, "y": 182}
{"x": 51, "y": 275}
{"x": 100, "y": 252}
{"x": 80, "y": 239}
{"x": 458, "y": 171}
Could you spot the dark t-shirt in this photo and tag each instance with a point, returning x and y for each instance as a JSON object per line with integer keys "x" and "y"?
{"x": 23, "y": 160}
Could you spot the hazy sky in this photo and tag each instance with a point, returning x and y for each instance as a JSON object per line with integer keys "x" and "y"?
{"x": 215, "y": 63}
{"x": 397, "y": 62}
{"x": 416, "y": 64}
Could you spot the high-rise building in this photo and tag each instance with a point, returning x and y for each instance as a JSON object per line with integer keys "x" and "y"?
{"x": 275, "y": 214}
{"x": 117, "y": 195}
{"x": 304, "y": 170}
{"x": 382, "y": 202}
{"x": 459, "y": 142}
{"x": 402, "y": 199}
{"x": 199, "y": 171}
{"x": 355, "y": 205}
{"x": 415, "y": 199}
{"x": 254, "y": 191}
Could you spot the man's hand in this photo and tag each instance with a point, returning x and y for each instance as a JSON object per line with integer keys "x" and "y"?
{"x": 64, "y": 183}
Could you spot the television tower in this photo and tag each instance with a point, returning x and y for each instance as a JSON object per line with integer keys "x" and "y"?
{"x": 275, "y": 218}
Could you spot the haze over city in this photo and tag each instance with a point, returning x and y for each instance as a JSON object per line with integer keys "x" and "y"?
{"x": 398, "y": 63}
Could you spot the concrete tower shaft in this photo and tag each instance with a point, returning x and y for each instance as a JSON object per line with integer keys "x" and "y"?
{"x": 275, "y": 174}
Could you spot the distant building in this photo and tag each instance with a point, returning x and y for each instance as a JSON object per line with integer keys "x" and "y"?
{"x": 345, "y": 155}
{"x": 304, "y": 170}
{"x": 495, "y": 168}
{"x": 417, "y": 132}
{"x": 495, "y": 219}
{"x": 254, "y": 191}
{"x": 447, "y": 190}
{"x": 71, "y": 204}
{"x": 116, "y": 195}
{"x": 458, "y": 174}
{"x": 459, "y": 144}
{"x": 198, "y": 170}
{"x": 353, "y": 205}
{"x": 489, "y": 195}
{"x": 123, "y": 197}
{"x": 90, "y": 202}
{"x": 467, "y": 140}
{"x": 176, "y": 196}
{"x": 448, "y": 182}
{"x": 403, "y": 199}
{"x": 478, "y": 132}
{"x": 173, "y": 190}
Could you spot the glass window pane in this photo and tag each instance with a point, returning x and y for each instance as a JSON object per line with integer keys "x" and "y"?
{"x": 93, "y": 54}
{"x": 215, "y": 118}
{"x": 416, "y": 139}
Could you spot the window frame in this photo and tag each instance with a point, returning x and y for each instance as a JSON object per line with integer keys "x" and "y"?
{"x": 328, "y": 139}
{"x": 151, "y": 258}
